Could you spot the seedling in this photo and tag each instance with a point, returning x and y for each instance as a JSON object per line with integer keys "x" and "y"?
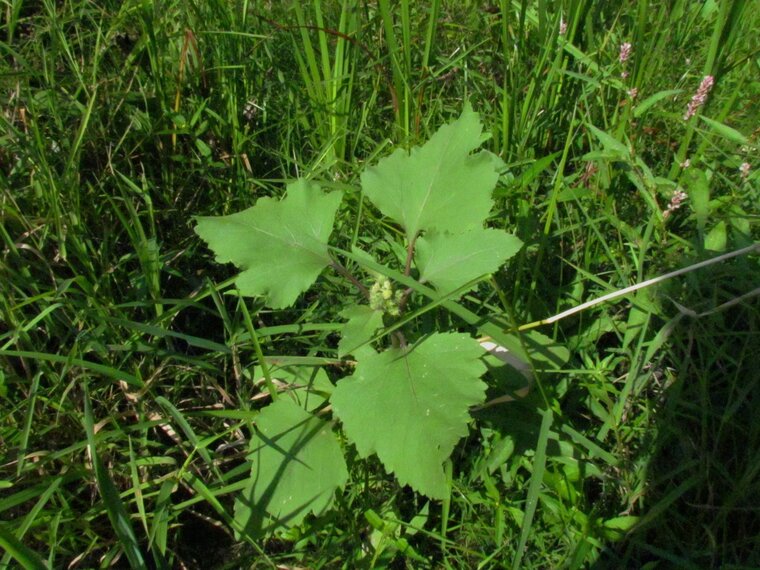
{"x": 408, "y": 400}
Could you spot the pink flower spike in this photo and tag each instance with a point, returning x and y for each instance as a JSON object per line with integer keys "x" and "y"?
{"x": 625, "y": 52}
{"x": 562, "y": 27}
{"x": 633, "y": 92}
{"x": 676, "y": 201}
{"x": 744, "y": 170}
{"x": 699, "y": 97}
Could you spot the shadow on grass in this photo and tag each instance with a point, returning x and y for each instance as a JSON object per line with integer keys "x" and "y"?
{"x": 700, "y": 507}
{"x": 690, "y": 471}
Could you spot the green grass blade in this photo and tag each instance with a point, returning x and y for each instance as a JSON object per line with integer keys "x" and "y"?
{"x": 117, "y": 513}
{"x": 536, "y": 479}
{"x": 28, "y": 424}
{"x": 25, "y": 556}
{"x": 198, "y": 445}
{"x": 31, "y": 516}
{"x": 107, "y": 371}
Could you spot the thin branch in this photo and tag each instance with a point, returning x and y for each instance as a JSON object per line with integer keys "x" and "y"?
{"x": 754, "y": 248}
{"x": 728, "y": 304}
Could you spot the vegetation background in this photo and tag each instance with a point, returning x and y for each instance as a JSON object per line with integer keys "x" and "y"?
{"x": 121, "y": 120}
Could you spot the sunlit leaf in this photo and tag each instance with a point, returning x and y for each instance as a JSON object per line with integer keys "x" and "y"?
{"x": 729, "y": 133}
{"x": 698, "y": 189}
{"x": 647, "y": 103}
{"x": 440, "y": 185}
{"x": 716, "y": 238}
{"x": 362, "y": 323}
{"x": 449, "y": 261}
{"x": 281, "y": 245}
{"x": 410, "y": 406}
{"x": 611, "y": 145}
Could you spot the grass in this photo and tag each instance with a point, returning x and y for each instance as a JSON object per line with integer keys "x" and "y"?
{"x": 127, "y": 361}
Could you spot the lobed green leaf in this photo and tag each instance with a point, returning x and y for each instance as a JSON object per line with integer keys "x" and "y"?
{"x": 449, "y": 261}
{"x": 410, "y": 406}
{"x": 362, "y": 323}
{"x": 280, "y": 245}
{"x": 439, "y": 186}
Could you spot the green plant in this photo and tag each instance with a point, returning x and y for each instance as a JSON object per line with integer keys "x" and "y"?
{"x": 128, "y": 381}
{"x": 408, "y": 401}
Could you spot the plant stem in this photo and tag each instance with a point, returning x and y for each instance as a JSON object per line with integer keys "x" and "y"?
{"x": 404, "y": 298}
{"x": 350, "y": 276}
{"x": 409, "y": 256}
{"x": 407, "y": 272}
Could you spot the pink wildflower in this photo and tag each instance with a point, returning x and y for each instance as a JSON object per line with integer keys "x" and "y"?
{"x": 685, "y": 164}
{"x": 633, "y": 92}
{"x": 676, "y": 201}
{"x": 699, "y": 97}
{"x": 744, "y": 170}
{"x": 625, "y": 52}
{"x": 562, "y": 26}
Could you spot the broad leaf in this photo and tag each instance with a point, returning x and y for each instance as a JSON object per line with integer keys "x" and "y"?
{"x": 698, "y": 189}
{"x": 280, "y": 245}
{"x": 729, "y": 133}
{"x": 410, "y": 406}
{"x": 362, "y": 323}
{"x": 297, "y": 466}
{"x": 449, "y": 261}
{"x": 437, "y": 186}
{"x": 612, "y": 146}
{"x": 716, "y": 238}
{"x": 644, "y": 106}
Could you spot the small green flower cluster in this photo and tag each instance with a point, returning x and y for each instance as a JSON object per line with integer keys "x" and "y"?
{"x": 383, "y": 298}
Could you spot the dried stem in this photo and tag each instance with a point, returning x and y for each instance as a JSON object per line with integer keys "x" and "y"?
{"x": 754, "y": 248}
